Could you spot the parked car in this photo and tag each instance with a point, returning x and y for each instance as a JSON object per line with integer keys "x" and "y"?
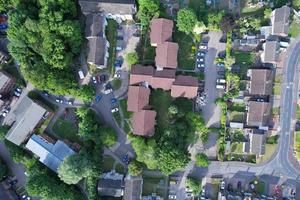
{"x": 102, "y": 78}
{"x": 120, "y": 38}
{"x": 201, "y": 53}
{"x": 126, "y": 159}
{"x": 94, "y": 79}
{"x": 98, "y": 98}
{"x": 221, "y": 64}
{"x": 17, "y": 94}
{"x": 221, "y": 73}
{"x": 239, "y": 185}
{"x": 118, "y": 63}
{"x": 108, "y": 91}
{"x": 172, "y": 196}
{"x": 70, "y": 102}
{"x": 200, "y": 64}
{"x": 222, "y": 186}
{"x": 200, "y": 59}
{"x": 59, "y": 101}
{"x": 113, "y": 100}
{"x": 113, "y": 110}
{"x": 46, "y": 93}
{"x": 229, "y": 187}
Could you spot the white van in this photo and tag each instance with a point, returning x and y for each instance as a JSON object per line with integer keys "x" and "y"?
{"x": 221, "y": 80}
{"x": 220, "y": 87}
{"x": 81, "y": 75}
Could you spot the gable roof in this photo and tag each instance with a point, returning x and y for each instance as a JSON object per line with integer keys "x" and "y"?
{"x": 94, "y": 25}
{"x": 52, "y": 155}
{"x": 161, "y": 30}
{"x": 261, "y": 82}
{"x": 163, "y": 79}
{"x": 258, "y": 113}
{"x": 138, "y": 98}
{"x": 141, "y": 74}
{"x": 96, "y": 50}
{"x": 280, "y": 21}
{"x": 115, "y": 7}
{"x": 143, "y": 123}
{"x": 166, "y": 55}
{"x": 185, "y": 86}
{"x": 271, "y": 52}
{"x": 256, "y": 140}
{"x": 133, "y": 188}
{"x": 110, "y": 187}
{"x": 26, "y": 116}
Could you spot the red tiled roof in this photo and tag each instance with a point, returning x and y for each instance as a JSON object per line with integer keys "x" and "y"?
{"x": 160, "y": 30}
{"x": 138, "y": 98}
{"x": 166, "y": 55}
{"x": 143, "y": 123}
{"x": 141, "y": 74}
{"x": 185, "y": 86}
{"x": 163, "y": 79}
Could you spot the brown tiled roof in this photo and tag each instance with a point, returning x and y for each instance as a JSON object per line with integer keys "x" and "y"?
{"x": 141, "y": 74}
{"x": 261, "y": 82}
{"x": 138, "y": 98}
{"x": 160, "y": 30}
{"x": 143, "y": 123}
{"x": 185, "y": 86}
{"x": 280, "y": 21}
{"x": 166, "y": 55}
{"x": 258, "y": 113}
{"x": 163, "y": 79}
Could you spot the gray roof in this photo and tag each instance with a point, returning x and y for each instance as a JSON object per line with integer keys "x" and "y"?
{"x": 280, "y": 21}
{"x": 257, "y": 139}
{"x": 133, "y": 188}
{"x": 110, "y": 187}
{"x": 258, "y": 113}
{"x": 271, "y": 52}
{"x": 261, "y": 82}
{"x": 97, "y": 50}
{"x": 119, "y": 7}
{"x": 52, "y": 155}
{"x": 4, "y": 79}
{"x": 94, "y": 25}
{"x": 26, "y": 116}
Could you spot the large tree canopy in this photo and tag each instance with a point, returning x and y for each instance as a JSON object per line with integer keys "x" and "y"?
{"x": 186, "y": 20}
{"x": 44, "y": 38}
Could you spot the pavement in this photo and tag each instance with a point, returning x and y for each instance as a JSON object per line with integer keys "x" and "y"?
{"x": 211, "y": 111}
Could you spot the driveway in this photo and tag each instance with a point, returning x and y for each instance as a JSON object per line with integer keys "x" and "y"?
{"x": 212, "y": 112}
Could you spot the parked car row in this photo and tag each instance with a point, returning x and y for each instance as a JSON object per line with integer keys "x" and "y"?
{"x": 99, "y": 79}
{"x": 200, "y": 57}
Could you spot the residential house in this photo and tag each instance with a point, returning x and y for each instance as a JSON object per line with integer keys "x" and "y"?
{"x": 138, "y": 98}
{"x": 258, "y": 114}
{"x": 133, "y": 188}
{"x": 143, "y": 123}
{"x": 119, "y": 10}
{"x": 280, "y": 21}
{"x": 166, "y": 55}
{"x": 141, "y": 74}
{"x": 23, "y": 119}
{"x": 111, "y": 184}
{"x": 261, "y": 81}
{"x": 185, "y": 86}
{"x": 160, "y": 31}
{"x": 163, "y": 79}
{"x": 256, "y": 143}
{"x": 97, "y": 52}
{"x": 4, "y": 54}
{"x": 95, "y": 25}
{"x": 6, "y": 83}
{"x": 271, "y": 52}
{"x": 50, "y": 153}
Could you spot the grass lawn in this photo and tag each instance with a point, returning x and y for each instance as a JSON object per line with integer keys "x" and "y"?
{"x": 270, "y": 150}
{"x": 237, "y": 116}
{"x": 277, "y": 89}
{"x": 123, "y": 105}
{"x": 237, "y": 147}
{"x": 294, "y": 29}
{"x": 161, "y": 101}
{"x": 116, "y": 83}
{"x": 298, "y": 112}
{"x": 297, "y": 145}
{"x": 186, "y": 56}
{"x": 127, "y": 127}
{"x": 120, "y": 168}
{"x": 108, "y": 163}
{"x": 154, "y": 185}
{"x": 111, "y": 35}
{"x": 276, "y": 110}
{"x": 238, "y": 107}
{"x": 245, "y": 60}
{"x": 66, "y": 129}
{"x": 117, "y": 117}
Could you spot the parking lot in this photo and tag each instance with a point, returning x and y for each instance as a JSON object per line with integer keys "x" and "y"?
{"x": 212, "y": 112}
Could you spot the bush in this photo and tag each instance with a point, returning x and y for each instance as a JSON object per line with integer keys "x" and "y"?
{"x": 135, "y": 168}
{"x": 131, "y": 58}
{"x": 272, "y": 139}
{"x": 202, "y": 160}
{"x": 194, "y": 185}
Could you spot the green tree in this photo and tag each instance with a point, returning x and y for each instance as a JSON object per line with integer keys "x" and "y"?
{"x": 73, "y": 169}
{"x": 202, "y": 160}
{"x": 186, "y": 20}
{"x": 214, "y": 20}
{"x": 227, "y": 23}
{"x": 3, "y": 130}
{"x": 194, "y": 185}
{"x": 108, "y": 136}
{"x": 135, "y": 168}
{"x": 131, "y": 58}
{"x": 147, "y": 10}
{"x": 267, "y": 13}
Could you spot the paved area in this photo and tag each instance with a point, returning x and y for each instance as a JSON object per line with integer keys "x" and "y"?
{"x": 212, "y": 112}
{"x": 7, "y": 194}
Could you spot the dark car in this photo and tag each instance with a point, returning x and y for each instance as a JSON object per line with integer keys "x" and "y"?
{"x": 221, "y": 64}
{"x": 113, "y": 100}
{"x": 229, "y": 187}
{"x": 98, "y": 98}
{"x": 118, "y": 63}
{"x": 120, "y": 38}
{"x": 125, "y": 159}
{"x": 221, "y": 73}
{"x": 102, "y": 78}
{"x": 239, "y": 185}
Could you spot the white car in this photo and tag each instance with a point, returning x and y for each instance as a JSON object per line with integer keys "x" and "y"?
{"x": 222, "y": 187}
{"x": 94, "y": 79}
{"x": 70, "y": 102}
{"x": 200, "y": 60}
{"x": 203, "y": 47}
{"x": 171, "y": 196}
{"x": 108, "y": 91}
{"x": 114, "y": 110}
{"x": 59, "y": 100}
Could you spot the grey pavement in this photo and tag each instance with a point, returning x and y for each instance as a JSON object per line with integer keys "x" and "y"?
{"x": 7, "y": 194}
{"x": 211, "y": 111}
